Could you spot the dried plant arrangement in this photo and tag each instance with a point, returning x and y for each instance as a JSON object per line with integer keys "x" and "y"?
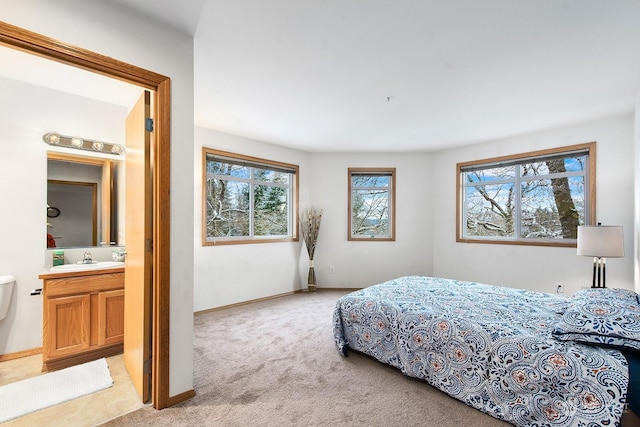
{"x": 310, "y": 225}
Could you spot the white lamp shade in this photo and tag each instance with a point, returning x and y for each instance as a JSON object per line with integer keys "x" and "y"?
{"x": 606, "y": 241}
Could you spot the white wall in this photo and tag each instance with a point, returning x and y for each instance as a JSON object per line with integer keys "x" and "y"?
{"x": 235, "y": 273}
{"x": 112, "y": 30}
{"x": 425, "y": 229}
{"x": 359, "y": 264}
{"x": 532, "y": 267}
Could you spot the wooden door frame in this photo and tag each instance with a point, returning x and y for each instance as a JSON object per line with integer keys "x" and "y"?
{"x": 55, "y": 50}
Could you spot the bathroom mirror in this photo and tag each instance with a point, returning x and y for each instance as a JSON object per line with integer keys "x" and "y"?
{"x": 82, "y": 201}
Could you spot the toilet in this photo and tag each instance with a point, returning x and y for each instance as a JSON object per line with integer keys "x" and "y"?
{"x": 6, "y": 288}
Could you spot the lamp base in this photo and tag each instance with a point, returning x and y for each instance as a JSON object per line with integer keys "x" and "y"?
{"x": 599, "y": 272}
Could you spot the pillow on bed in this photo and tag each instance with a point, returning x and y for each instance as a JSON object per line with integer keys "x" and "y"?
{"x": 610, "y": 318}
{"x": 607, "y": 294}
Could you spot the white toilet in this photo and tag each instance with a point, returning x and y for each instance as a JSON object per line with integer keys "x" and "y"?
{"x": 6, "y": 288}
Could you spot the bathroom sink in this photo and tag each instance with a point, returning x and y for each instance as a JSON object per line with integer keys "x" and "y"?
{"x": 81, "y": 267}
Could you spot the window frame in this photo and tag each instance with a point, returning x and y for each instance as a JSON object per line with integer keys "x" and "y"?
{"x": 590, "y": 193}
{"x": 253, "y": 162}
{"x": 392, "y": 203}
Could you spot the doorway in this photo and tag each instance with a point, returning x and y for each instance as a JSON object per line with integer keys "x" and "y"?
{"x": 37, "y": 44}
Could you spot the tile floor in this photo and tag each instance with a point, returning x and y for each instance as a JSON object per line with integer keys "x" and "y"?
{"x": 88, "y": 410}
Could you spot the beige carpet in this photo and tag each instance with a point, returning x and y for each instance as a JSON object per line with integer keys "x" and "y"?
{"x": 274, "y": 363}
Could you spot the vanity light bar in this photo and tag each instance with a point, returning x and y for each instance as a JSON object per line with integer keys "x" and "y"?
{"x": 56, "y": 139}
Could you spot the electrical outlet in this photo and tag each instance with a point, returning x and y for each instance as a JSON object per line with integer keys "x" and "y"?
{"x": 331, "y": 269}
{"x": 560, "y": 289}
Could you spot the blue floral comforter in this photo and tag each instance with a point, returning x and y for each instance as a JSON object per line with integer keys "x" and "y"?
{"x": 490, "y": 347}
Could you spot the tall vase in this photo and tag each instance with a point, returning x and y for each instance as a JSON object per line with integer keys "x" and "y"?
{"x": 311, "y": 279}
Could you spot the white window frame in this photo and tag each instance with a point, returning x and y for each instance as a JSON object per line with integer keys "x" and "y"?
{"x": 589, "y": 149}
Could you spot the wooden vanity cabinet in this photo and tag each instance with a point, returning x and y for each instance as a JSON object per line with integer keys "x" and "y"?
{"x": 83, "y": 317}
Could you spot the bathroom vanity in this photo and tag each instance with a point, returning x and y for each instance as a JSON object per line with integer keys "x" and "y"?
{"x": 83, "y": 316}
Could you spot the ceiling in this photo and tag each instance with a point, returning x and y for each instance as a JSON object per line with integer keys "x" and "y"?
{"x": 404, "y": 75}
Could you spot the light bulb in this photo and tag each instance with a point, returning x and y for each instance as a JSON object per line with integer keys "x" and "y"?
{"x": 52, "y": 138}
{"x": 97, "y": 145}
{"x": 117, "y": 149}
{"x": 77, "y": 142}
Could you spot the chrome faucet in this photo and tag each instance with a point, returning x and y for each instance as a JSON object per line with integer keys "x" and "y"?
{"x": 88, "y": 259}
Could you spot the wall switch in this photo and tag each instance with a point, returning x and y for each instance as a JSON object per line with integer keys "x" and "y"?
{"x": 331, "y": 269}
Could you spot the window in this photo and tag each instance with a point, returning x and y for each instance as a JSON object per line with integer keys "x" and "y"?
{"x": 535, "y": 198}
{"x": 248, "y": 200}
{"x": 372, "y": 204}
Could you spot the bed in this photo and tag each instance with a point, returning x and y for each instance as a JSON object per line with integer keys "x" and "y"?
{"x": 528, "y": 358}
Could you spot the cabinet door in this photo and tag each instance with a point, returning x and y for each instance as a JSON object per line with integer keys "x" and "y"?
{"x": 66, "y": 325}
{"x": 111, "y": 317}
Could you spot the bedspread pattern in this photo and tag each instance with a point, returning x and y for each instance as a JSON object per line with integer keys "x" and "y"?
{"x": 488, "y": 346}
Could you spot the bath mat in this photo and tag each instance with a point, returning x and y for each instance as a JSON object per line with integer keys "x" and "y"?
{"x": 30, "y": 395}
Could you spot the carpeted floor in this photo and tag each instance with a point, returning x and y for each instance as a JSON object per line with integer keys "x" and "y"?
{"x": 274, "y": 363}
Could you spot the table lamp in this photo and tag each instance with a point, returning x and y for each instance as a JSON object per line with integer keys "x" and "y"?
{"x": 600, "y": 242}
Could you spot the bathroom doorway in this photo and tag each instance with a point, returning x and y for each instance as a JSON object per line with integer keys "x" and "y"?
{"x": 33, "y": 43}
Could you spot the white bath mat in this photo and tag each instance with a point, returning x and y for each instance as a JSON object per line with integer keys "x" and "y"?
{"x": 30, "y": 395}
